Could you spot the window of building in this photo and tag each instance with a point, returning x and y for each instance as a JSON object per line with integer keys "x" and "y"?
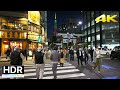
{"x": 108, "y": 35}
{"x": 97, "y": 28}
{"x": 89, "y": 24}
{"x": 3, "y": 23}
{"x": 103, "y": 36}
{"x": 88, "y": 39}
{"x": 93, "y": 31}
{"x": 98, "y": 37}
{"x": 88, "y": 30}
{"x": 85, "y": 26}
{"x": 85, "y": 32}
{"x": 113, "y": 40}
{"x": 92, "y": 22}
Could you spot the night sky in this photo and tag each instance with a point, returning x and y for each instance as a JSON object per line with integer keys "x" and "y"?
{"x": 61, "y": 18}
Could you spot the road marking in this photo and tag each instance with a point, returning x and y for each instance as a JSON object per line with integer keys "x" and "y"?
{"x": 67, "y": 71}
{"x": 66, "y": 76}
{"x": 51, "y": 72}
{"x": 112, "y": 77}
{"x": 107, "y": 67}
{"x": 50, "y": 68}
{"x": 62, "y": 71}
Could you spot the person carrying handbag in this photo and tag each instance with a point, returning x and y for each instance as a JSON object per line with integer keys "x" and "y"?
{"x": 62, "y": 58}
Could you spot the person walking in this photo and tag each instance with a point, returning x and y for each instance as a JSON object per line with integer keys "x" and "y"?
{"x": 91, "y": 53}
{"x": 33, "y": 52}
{"x": 55, "y": 57}
{"x": 16, "y": 57}
{"x": 86, "y": 54}
{"x": 84, "y": 58}
{"x": 62, "y": 58}
{"x": 98, "y": 60}
{"x": 79, "y": 56}
{"x": 71, "y": 52}
{"x": 8, "y": 51}
{"x": 38, "y": 57}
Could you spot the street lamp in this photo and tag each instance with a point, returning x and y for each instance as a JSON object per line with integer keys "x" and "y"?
{"x": 79, "y": 23}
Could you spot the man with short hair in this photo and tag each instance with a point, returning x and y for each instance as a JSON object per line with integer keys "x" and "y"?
{"x": 80, "y": 55}
{"x": 39, "y": 63}
{"x": 16, "y": 57}
{"x": 55, "y": 57}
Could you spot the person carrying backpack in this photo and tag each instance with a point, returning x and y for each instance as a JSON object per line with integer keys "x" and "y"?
{"x": 39, "y": 61}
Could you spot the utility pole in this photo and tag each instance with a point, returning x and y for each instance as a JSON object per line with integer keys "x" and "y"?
{"x": 27, "y": 45}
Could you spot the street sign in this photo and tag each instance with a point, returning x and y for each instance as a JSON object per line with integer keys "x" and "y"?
{"x": 39, "y": 39}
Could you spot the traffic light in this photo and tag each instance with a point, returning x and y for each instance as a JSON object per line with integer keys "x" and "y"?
{"x": 39, "y": 39}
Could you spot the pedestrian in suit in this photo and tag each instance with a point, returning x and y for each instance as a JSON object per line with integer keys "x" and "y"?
{"x": 79, "y": 56}
{"x": 71, "y": 52}
{"x": 91, "y": 54}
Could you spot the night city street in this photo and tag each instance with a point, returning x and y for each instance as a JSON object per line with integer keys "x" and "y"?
{"x": 55, "y": 44}
{"x": 110, "y": 70}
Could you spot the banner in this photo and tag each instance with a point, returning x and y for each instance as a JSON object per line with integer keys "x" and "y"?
{"x": 34, "y": 17}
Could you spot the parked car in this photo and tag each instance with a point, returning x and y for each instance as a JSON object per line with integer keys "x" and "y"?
{"x": 105, "y": 51}
{"x": 115, "y": 53}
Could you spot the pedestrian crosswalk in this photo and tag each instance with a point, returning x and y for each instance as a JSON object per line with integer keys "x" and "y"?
{"x": 68, "y": 71}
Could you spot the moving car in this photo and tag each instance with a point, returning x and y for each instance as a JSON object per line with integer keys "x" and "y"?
{"x": 115, "y": 53}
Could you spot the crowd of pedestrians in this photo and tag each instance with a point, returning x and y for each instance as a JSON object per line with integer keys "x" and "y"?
{"x": 57, "y": 57}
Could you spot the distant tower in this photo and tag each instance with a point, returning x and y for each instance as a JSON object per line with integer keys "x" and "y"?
{"x": 55, "y": 26}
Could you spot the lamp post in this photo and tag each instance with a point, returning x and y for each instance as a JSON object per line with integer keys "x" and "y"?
{"x": 79, "y": 24}
{"x": 68, "y": 38}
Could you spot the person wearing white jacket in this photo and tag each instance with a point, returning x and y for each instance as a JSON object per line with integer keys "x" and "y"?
{"x": 97, "y": 56}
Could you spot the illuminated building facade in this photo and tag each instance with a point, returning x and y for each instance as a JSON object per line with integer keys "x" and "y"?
{"x": 22, "y": 29}
{"x": 102, "y": 34}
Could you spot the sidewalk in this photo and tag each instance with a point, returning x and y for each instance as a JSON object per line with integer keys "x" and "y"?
{"x": 3, "y": 59}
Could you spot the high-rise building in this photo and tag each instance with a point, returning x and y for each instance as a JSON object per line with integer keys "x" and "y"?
{"x": 103, "y": 33}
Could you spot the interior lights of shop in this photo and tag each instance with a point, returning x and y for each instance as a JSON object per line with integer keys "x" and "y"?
{"x": 6, "y": 46}
{"x": 5, "y": 41}
{"x": 15, "y": 44}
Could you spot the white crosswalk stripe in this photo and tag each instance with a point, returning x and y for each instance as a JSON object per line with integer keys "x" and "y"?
{"x": 68, "y": 71}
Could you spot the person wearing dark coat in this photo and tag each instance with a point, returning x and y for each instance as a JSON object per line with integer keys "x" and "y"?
{"x": 79, "y": 56}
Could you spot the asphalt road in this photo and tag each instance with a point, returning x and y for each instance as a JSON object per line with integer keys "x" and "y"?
{"x": 110, "y": 69}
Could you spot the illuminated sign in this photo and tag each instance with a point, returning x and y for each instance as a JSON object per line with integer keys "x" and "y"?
{"x": 104, "y": 18}
{"x": 34, "y": 17}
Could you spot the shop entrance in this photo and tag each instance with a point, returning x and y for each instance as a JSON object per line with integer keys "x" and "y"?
{"x": 16, "y": 44}
{"x": 0, "y": 46}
